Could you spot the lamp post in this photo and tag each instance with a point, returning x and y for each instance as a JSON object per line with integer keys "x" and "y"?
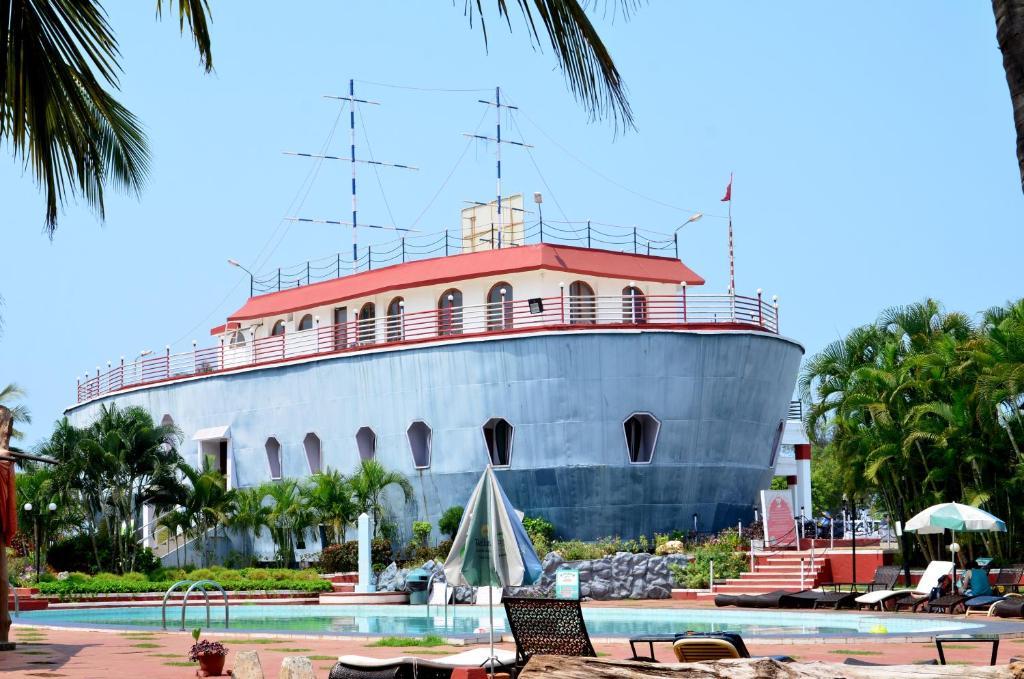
{"x": 235, "y": 263}
{"x": 37, "y": 518}
{"x": 690, "y": 220}
{"x": 539, "y": 199}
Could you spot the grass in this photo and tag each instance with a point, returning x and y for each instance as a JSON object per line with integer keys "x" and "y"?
{"x": 294, "y": 650}
{"x": 181, "y": 664}
{"x": 146, "y": 645}
{"x": 255, "y": 640}
{"x": 964, "y": 647}
{"x": 406, "y": 642}
{"x": 323, "y": 657}
{"x": 34, "y": 652}
{"x": 854, "y": 651}
{"x": 165, "y": 655}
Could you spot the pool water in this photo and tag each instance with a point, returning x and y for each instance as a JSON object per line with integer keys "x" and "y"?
{"x": 468, "y": 620}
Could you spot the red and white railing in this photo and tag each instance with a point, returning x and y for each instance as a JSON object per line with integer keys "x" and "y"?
{"x": 241, "y": 350}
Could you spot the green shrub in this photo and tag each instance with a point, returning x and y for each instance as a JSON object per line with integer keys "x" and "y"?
{"x": 442, "y": 549}
{"x": 70, "y": 588}
{"x": 135, "y": 577}
{"x": 450, "y": 520}
{"x": 421, "y": 533}
{"x": 539, "y": 527}
{"x": 729, "y": 562}
{"x": 344, "y": 558}
{"x": 577, "y": 550}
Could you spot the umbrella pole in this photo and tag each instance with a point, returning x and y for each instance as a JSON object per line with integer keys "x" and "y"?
{"x": 954, "y": 588}
{"x": 490, "y": 608}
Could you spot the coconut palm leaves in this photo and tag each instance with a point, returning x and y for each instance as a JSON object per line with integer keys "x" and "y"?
{"x": 369, "y": 484}
{"x": 329, "y": 497}
{"x": 923, "y": 406}
{"x": 10, "y": 395}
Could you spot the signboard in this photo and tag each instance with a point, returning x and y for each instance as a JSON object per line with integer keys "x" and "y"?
{"x": 567, "y": 584}
{"x": 777, "y": 510}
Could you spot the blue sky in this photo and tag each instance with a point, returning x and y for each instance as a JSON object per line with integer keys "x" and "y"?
{"x": 872, "y": 144}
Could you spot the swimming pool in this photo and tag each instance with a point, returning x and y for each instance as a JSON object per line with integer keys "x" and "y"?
{"x": 468, "y": 620}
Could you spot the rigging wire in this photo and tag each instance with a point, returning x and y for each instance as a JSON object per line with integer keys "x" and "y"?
{"x": 376, "y": 172}
{"x": 424, "y": 89}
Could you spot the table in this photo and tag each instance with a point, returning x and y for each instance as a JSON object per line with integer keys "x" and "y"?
{"x": 650, "y": 640}
{"x": 941, "y": 639}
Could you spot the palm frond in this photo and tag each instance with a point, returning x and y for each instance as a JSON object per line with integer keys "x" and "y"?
{"x": 196, "y": 13}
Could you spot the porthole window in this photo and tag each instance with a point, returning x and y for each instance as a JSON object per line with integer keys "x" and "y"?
{"x": 776, "y": 443}
{"x": 274, "y": 457}
{"x": 366, "y": 442}
{"x": 498, "y": 434}
{"x": 582, "y": 305}
{"x": 449, "y": 312}
{"x": 306, "y": 323}
{"x": 641, "y": 430}
{"x": 313, "y": 456}
{"x": 396, "y": 320}
{"x": 499, "y": 307}
{"x": 634, "y": 305}
{"x": 366, "y": 323}
{"x": 419, "y": 443}
{"x": 278, "y": 329}
{"x": 238, "y": 339}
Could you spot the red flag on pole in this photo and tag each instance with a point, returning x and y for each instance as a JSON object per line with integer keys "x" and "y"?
{"x": 728, "y": 191}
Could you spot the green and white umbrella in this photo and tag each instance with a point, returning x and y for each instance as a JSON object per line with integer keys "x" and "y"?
{"x": 954, "y": 517}
{"x": 491, "y": 547}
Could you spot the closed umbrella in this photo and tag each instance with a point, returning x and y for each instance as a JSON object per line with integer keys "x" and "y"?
{"x": 954, "y": 517}
{"x": 491, "y": 547}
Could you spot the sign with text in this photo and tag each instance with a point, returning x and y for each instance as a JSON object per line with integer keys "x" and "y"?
{"x": 779, "y": 526}
{"x": 567, "y": 584}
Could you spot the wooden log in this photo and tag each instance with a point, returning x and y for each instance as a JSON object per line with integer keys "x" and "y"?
{"x": 558, "y": 667}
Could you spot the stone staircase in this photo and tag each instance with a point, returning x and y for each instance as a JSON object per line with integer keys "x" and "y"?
{"x": 780, "y": 570}
{"x": 342, "y": 582}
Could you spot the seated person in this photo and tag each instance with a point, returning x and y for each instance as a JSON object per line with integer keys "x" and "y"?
{"x": 942, "y": 589}
{"x": 974, "y": 581}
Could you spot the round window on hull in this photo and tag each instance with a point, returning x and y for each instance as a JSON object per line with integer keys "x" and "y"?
{"x": 641, "y": 431}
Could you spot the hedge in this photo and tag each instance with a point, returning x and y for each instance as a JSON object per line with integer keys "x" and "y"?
{"x": 66, "y": 588}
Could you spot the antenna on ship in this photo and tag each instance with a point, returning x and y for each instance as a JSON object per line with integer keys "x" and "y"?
{"x": 499, "y": 141}
{"x": 353, "y": 161}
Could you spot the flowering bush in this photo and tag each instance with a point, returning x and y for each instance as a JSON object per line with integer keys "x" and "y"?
{"x": 206, "y": 647}
{"x": 724, "y": 550}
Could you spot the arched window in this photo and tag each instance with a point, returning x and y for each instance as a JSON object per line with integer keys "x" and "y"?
{"x": 449, "y": 312}
{"x": 274, "y": 457}
{"x": 641, "y": 430}
{"x": 634, "y": 305}
{"x": 582, "y": 305}
{"x": 498, "y": 439}
{"x": 396, "y": 320}
{"x": 366, "y": 442}
{"x": 167, "y": 421}
{"x": 278, "y": 329}
{"x": 366, "y": 322}
{"x": 238, "y": 339}
{"x": 313, "y": 456}
{"x": 499, "y": 306}
{"x": 419, "y": 443}
{"x": 306, "y": 323}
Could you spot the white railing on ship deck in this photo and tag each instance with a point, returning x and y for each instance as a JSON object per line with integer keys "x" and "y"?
{"x": 565, "y": 312}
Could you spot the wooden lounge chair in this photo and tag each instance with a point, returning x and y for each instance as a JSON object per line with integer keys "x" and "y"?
{"x": 547, "y": 626}
{"x": 1008, "y": 579}
{"x": 884, "y": 579}
{"x": 879, "y": 599}
{"x": 1008, "y": 608}
{"x": 944, "y": 604}
{"x": 410, "y": 667}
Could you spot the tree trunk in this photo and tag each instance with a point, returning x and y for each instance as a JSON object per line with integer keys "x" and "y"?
{"x": 1009, "y": 15}
{"x": 557, "y": 667}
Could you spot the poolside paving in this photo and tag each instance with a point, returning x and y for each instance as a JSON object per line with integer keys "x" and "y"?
{"x": 56, "y": 653}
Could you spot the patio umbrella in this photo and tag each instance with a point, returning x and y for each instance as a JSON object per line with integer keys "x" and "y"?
{"x": 955, "y": 517}
{"x": 491, "y": 547}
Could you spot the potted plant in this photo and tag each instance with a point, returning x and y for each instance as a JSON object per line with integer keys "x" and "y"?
{"x": 209, "y": 654}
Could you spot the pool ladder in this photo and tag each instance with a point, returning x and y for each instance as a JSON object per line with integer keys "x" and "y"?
{"x": 430, "y": 592}
{"x": 192, "y": 585}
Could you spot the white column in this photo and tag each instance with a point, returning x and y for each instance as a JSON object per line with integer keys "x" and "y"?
{"x": 803, "y": 477}
{"x": 365, "y": 572}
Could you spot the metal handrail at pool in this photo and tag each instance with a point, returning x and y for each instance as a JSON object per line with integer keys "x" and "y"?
{"x": 192, "y": 585}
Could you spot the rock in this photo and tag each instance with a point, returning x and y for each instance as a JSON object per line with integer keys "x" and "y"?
{"x": 656, "y": 592}
{"x": 387, "y": 578}
{"x": 63, "y": 575}
{"x": 551, "y": 562}
{"x": 247, "y": 666}
{"x": 296, "y": 667}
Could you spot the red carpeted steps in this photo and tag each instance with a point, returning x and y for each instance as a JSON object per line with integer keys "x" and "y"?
{"x": 780, "y": 570}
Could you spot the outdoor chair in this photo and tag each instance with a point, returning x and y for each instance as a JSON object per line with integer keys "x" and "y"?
{"x": 1008, "y": 608}
{"x": 944, "y": 604}
{"x": 547, "y": 626}
{"x": 885, "y": 579}
{"x": 1008, "y": 579}
{"x": 411, "y": 667}
{"x": 703, "y": 649}
{"x": 780, "y": 598}
{"x": 880, "y": 598}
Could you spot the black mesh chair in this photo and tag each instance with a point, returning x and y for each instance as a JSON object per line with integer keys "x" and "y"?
{"x": 547, "y": 627}
{"x": 885, "y": 578}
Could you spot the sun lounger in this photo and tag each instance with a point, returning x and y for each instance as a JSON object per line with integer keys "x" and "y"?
{"x": 705, "y": 646}
{"x": 547, "y": 626}
{"x": 980, "y": 605}
{"x": 780, "y": 598}
{"x": 944, "y": 604}
{"x": 411, "y": 667}
{"x": 1008, "y": 579}
{"x": 1008, "y": 608}
{"x": 930, "y": 579}
{"x": 885, "y": 578}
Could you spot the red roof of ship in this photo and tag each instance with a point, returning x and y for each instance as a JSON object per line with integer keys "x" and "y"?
{"x": 583, "y": 261}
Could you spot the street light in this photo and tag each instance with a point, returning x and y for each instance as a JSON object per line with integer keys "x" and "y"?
{"x": 235, "y": 263}
{"x": 692, "y": 218}
{"x": 538, "y": 199}
{"x": 37, "y": 517}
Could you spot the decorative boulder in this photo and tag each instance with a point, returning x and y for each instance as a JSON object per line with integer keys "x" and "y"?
{"x": 296, "y": 667}
{"x": 247, "y": 666}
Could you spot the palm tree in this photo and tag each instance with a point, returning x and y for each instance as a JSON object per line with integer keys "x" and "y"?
{"x": 288, "y": 516}
{"x": 61, "y": 63}
{"x": 1009, "y": 16}
{"x": 368, "y": 486}
{"x": 209, "y": 505}
{"x": 329, "y": 496}
{"x": 10, "y": 394}
{"x": 173, "y": 522}
{"x": 250, "y": 517}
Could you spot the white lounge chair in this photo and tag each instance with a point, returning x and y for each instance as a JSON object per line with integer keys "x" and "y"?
{"x": 930, "y": 579}
{"x": 359, "y": 665}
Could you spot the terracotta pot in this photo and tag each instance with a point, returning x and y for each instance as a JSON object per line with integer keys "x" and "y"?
{"x": 211, "y": 665}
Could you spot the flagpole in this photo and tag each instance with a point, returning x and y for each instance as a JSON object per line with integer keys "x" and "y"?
{"x": 732, "y": 257}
